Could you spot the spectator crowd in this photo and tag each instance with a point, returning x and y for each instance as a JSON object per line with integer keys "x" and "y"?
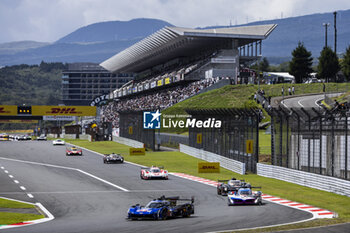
{"x": 158, "y": 100}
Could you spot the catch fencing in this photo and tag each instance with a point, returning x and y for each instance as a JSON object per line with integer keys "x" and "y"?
{"x": 230, "y": 140}
{"x": 131, "y": 126}
{"x": 311, "y": 140}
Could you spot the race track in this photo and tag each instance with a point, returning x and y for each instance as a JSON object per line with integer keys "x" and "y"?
{"x": 96, "y": 197}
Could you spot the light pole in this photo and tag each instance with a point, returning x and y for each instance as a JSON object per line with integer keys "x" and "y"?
{"x": 326, "y": 30}
{"x": 335, "y": 32}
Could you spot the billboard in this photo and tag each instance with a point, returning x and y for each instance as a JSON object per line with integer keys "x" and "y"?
{"x": 63, "y": 110}
{"x": 19, "y": 121}
{"x": 59, "y": 118}
{"x": 8, "y": 110}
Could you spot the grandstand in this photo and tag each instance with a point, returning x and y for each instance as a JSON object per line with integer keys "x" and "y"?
{"x": 175, "y": 63}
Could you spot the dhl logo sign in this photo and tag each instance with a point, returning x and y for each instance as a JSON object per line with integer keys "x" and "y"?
{"x": 11, "y": 110}
{"x": 208, "y": 167}
{"x": 63, "y": 110}
{"x": 2, "y": 110}
{"x": 8, "y": 110}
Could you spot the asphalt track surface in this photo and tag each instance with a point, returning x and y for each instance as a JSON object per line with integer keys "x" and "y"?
{"x": 309, "y": 101}
{"x": 82, "y": 203}
{"x": 304, "y": 101}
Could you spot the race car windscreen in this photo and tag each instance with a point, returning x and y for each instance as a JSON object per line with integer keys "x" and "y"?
{"x": 154, "y": 205}
{"x": 245, "y": 192}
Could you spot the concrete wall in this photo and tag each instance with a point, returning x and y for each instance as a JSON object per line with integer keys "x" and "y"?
{"x": 227, "y": 163}
{"x": 128, "y": 142}
{"x": 326, "y": 183}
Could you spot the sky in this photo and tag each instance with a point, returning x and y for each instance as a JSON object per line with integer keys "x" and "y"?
{"x": 49, "y": 20}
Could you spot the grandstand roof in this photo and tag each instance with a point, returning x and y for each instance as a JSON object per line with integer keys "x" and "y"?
{"x": 171, "y": 42}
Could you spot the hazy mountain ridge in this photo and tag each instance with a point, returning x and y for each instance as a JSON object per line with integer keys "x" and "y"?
{"x": 17, "y": 46}
{"x": 97, "y": 42}
{"x": 114, "y": 31}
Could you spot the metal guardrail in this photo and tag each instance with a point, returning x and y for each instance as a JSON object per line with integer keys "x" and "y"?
{"x": 227, "y": 163}
{"x": 128, "y": 142}
{"x": 325, "y": 183}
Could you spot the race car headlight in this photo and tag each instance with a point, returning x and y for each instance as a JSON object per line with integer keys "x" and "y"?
{"x": 256, "y": 200}
{"x": 225, "y": 188}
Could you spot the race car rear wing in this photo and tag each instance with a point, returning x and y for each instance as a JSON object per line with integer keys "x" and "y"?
{"x": 228, "y": 180}
{"x": 177, "y": 198}
{"x": 147, "y": 168}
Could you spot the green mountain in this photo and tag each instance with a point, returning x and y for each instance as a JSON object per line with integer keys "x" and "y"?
{"x": 31, "y": 84}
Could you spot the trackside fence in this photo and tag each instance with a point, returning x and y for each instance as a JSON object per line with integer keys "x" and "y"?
{"x": 131, "y": 127}
{"x": 312, "y": 180}
{"x": 239, "y": 127}
{"x": 312, "y": 140}
{"x": 227, "y": 163}
{"x": 128, "y": 142}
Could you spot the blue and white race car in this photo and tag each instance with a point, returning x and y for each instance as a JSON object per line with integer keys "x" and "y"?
{"x": 244, "y": 196}
{"x": 162, "y": 208}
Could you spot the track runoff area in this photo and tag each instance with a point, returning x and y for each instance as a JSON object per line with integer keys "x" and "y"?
{"x": 82, "y": 194}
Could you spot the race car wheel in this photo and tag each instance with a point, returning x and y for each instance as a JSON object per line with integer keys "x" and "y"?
{"x": 185, "y": 213}
{"x": 229, "y": 203}
{"x": 162, "y": 214}
{"x": 219, "y": 191}
{"x": 223, "y": 193}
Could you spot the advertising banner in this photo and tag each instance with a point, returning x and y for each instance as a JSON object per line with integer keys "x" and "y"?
{"x": 209, "y": 167}
{"x": 63, "y": 110}
{"x": 153, "y": 84}
{"x": 20, "y": 121}
{"x": 59, "y": 118}
{"x": 137, "y": 151}
{"x": 8, "y": 110}
{"x": 167, "y": 81}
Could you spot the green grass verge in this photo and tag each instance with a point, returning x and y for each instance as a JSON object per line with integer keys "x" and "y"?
{"x": 7, "y": 218}
{"x": 179, "y": 162}
{"x": 264, "y": 146}
{"x": 4, "y": 203}
{"x": 11, "y": 218}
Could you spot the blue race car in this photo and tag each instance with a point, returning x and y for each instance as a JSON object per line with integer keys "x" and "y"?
{"x": 162, "y": 208}
{"x": 244, "y": 196}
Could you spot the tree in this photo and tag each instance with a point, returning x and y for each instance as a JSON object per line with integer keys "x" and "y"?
{"x": 300, "y": 65}
{"x": 264, "y": 65}
{"x": 345, "y": 65}
{"x": 328, "y": 65}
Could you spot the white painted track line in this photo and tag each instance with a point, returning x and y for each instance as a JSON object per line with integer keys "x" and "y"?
{"x": 69, "y": 168}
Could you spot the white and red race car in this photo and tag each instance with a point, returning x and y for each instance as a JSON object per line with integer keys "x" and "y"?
{"x": 153, "y": 173}
{"x": 74, "y": 151}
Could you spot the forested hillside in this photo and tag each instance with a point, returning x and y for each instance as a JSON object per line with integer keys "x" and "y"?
{"x": 31, "y": 84}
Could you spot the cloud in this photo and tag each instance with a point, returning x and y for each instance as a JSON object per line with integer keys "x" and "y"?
{"x": 49, "y": 20}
